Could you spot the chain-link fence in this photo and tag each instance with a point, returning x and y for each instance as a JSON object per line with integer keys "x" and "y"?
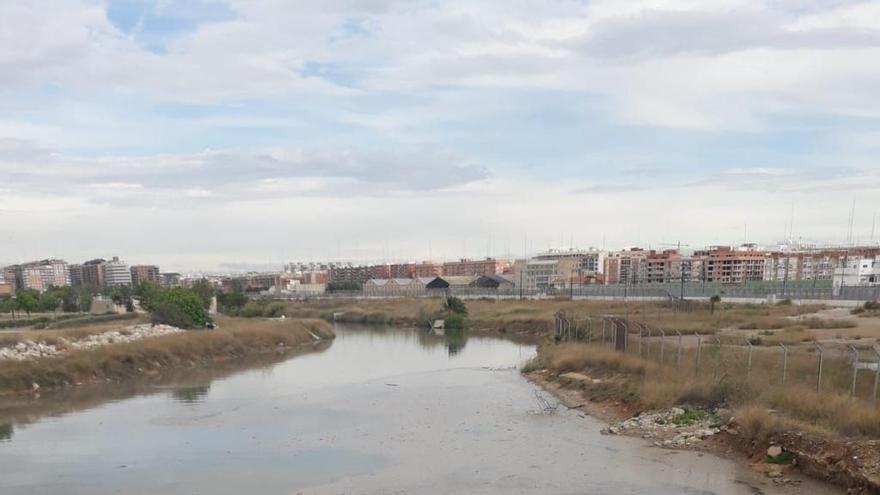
{"x": 671, "y": 291}
{"x": 832, "y": 368}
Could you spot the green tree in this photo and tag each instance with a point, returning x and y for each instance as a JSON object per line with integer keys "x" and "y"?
{"x": 204, "y": 290}
{"x": 83, "y": 299}
{"x": 149, "y": 294}
{"x": 232, "y": 302}
{"x": 8, "y": 306}
{"x": 180, "y": 307}
{"x": 48, "y": 302}
{"x": 27, "y": 302}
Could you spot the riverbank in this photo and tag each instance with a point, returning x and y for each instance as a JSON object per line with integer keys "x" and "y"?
{"x": 536, "y": 317}
{"x": 831, "y": 439}
{"x": 235, "y": 339}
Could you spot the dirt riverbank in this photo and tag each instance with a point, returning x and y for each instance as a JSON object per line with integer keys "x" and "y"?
{"x": 235, "y": 339}
{"x": 852, "y": 464}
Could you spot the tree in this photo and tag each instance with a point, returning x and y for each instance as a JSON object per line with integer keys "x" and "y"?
{"x": 455, "y": 305}
{"x": 48, "y": 302}
{"x": 232, "y": 302}
{"x": 180, "y": 307}
{"x": 712, "y": 302}
{"x": 149, "y": 294}
{"x": 8, "y": 306}
{"x": 204, "y": 290}
{"x": 27, "y": 302}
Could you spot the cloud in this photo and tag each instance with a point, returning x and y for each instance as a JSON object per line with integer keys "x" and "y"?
{"x": 236, "y": 175}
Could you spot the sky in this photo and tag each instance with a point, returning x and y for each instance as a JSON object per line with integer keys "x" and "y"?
{"x": 224, "y": 134}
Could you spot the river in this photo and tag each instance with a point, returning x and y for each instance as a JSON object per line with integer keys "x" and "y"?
{"x": 380, "y": 411}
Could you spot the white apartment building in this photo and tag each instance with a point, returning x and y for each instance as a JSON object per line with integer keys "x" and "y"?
{"x": 858, "y": 272}
{"x": 116, "y": 273}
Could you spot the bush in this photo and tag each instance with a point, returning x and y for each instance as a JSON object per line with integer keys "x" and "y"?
{"x": 166, "y": 313}
{"x": 455, "y": 305}
{"x": 180, "y": 307}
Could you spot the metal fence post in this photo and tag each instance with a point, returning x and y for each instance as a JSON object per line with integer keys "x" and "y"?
{"x": 855, "y": 376}
{"x": 640, "y": 339}
{"x": 662, "y": 340}
{"x": 604, "y": 325}
{"x": 625, "y": 336}
{"x": 784, "y": 361}
{"x": 589, "y": 330}
{"x": 717, "y": 357}
{"x": 699, "y": 352}
{"x": 819, "y": 366}
{"x": 876, "y": 375}
{"x": 748, "y": 359}
{"x": 678, "y": 351}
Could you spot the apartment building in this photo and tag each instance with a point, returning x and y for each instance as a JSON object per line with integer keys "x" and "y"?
{"x": 864, "y": 272}
{"x": 471, "y": 268}
{"x": 727, "y": 265}
{"x": 539, "y": 274}
{"x": 351, "y": 273}
{"x": 39, "y": 275}
{"x": 116, "y": 273}
{"x": 811, "y": 263}
{"x": 427, "y": 269}
{"x": 93, "y": 273}
{"x": 625, "y": 267}
{"x": 577, "y": 264}
{"x": 169, "y": 280}
{"x": 145, "y": 273}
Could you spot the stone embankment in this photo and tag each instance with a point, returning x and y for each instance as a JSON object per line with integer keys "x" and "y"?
{"x": 27, "y": 349}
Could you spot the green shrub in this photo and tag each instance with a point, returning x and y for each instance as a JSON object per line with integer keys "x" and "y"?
{"x": 455, "y": 305}
{"x": 167, "y": 313}
{"x": 180, "y": 307}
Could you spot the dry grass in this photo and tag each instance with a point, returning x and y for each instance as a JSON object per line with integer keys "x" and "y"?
{"x": 811, "y": 322}
{"x": 576, "y": 357}
{"x": 721, "y": 380}
{"x": 536, "y": 316}
{"x": 756, "y": 423}
{"x": 235, "y": 338}
{"x": 10, "y": 338}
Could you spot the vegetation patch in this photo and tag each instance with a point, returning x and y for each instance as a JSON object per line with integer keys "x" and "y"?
{"x": 235, "y": 338}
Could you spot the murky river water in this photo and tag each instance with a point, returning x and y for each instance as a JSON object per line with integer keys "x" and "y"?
{"x": 378, "y": 412}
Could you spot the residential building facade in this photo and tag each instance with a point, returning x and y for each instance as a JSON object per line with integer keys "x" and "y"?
{"x": 117, "y": 273}
{"x": 145, "y": 273}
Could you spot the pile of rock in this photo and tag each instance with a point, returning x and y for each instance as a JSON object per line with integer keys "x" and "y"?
{"x": 130, "y": 334}
{"x": 666, "y": 426}
{"x": 27, "y": 349}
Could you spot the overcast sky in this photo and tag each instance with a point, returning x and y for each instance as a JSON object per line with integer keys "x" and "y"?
{"x": 209, "y": 134}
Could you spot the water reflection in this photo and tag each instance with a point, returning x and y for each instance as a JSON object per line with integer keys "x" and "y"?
{"x": 455, "y": 341}
{"x": 6, "y": 432}
{"x": 191, "y": 395}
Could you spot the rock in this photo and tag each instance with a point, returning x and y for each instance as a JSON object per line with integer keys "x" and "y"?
{"x": 35, "y": 386}
{"x": 774, "y": 451}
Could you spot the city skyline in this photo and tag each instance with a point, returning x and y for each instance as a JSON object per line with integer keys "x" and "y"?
{"x": 358, "y": 128}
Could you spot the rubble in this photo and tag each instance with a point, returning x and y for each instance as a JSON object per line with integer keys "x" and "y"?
{"x": 27, "y": 349}
{"x": 673, "y": 428}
